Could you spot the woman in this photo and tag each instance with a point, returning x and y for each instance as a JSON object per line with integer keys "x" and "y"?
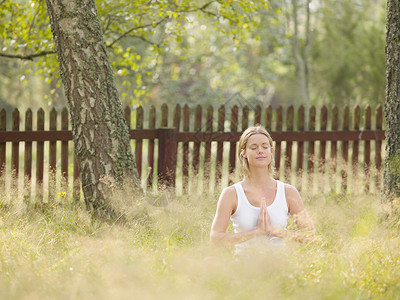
{"x": 258, "y": 206}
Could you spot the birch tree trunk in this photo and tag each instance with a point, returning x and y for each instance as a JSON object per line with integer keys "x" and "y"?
{"x": 392, "y": 104}
{"x": 301, "y": 57}
{"x": 100, "y": 133}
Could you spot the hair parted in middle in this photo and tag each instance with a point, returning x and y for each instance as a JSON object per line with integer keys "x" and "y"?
{"x": 243, "y": 164}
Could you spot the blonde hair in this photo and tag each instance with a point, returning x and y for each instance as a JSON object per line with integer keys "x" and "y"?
{"x": 243, "y": 164}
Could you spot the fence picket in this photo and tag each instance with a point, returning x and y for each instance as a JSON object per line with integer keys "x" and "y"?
{"x": 335, "y": 126}
{"x": 300, "y": 148}
{"x": 197, "y": 143}
{"x": 150, "y": 158}
{"x": 64, "y": 145}
{"x": 207, "y": 157}
{"x": 177, "y": 123}
{"x": 288, "y": 154}
{"x": 185, "y": 159}
{"x": 127, "y": 116}
{"x": 279, "y": 125}
{"x": 323, "y": 126}
{"x": 245, "y": 118}
{"x": 345, "y": 149}
{"x": 28, "y": 157}
{"x": 257, "y": 115}
{"x": 28, "y": 147}
{"x": 357, "y": 120}
{"x": 15, "y": 147}
{"x": 39, "y": 156}
{"x": 139, "y": 143}
{"x": 177, "y": 117}
{"x": 300, "y": 151}
{"x": 367, "y": 148}
{"x": 164, "y": 115}
{"x": 268, "y": 118}
{"x": 53, "y": 145}
{"x": 220, "y": 145}
{"x": 52, "y": 156}
{"x": 15, "y": 152}
{"x": 232, "y": 148}
{"x": 311, "y": 144}
{"x": 378, "y": 146}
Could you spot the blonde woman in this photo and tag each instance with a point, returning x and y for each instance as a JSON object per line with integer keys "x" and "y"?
{"x": 258, "y": 206}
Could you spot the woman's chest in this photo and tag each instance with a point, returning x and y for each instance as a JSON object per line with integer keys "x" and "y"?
{"x": 255, "y": 198}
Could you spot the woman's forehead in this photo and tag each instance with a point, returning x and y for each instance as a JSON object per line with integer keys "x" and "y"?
{"x": 257, "y": 138}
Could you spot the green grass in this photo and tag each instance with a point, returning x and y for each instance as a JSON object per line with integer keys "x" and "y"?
{"x": 163, "y": 252}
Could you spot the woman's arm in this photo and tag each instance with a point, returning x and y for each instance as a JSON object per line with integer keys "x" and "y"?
{"x": 306, "y": 229}
{"x": 227, "y": 205}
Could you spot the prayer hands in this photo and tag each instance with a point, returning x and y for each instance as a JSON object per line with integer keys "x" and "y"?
{"x": 264, "y": 225}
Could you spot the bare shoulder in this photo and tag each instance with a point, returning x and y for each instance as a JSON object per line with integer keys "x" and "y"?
{"x": 291, "y": 191}
{"x": 293, "y": 199}
{"x": 228, "y": 194}
{"x": 228, "y": 198}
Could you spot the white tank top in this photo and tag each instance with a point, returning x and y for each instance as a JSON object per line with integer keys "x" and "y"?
{"x": 246, "y": 216}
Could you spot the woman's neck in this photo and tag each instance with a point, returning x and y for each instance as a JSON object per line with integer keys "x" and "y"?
{"x": 260, "y": 178}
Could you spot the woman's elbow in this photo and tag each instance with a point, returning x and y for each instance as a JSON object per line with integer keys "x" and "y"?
{"x": 215, "y": 238}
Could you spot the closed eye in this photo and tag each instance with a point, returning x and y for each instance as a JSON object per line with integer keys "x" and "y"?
{"x": 254, "y": 148}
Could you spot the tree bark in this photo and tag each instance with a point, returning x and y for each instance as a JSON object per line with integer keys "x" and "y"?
{"x": 100, "y": 134}
{"x": 301, "y": 60}
{"x": 392, "y": 105}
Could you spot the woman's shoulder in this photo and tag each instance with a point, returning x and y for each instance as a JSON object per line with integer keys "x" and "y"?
{"x": 229, "y": 191}
{"x": 290, "y": 189}
{"x": 293, "y": 197}
{"x": 228, "y": 198}
{"x": 229, "y": 194}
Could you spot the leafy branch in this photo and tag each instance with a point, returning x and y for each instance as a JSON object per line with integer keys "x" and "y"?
{"x": 204, "y": 10}
{"x": 27, "y": 56}
{"x": 136, "y": 28}
{"x": 179, "y": 9}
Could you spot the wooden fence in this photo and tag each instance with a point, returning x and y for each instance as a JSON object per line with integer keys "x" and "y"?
{"x": 191, "y": 142}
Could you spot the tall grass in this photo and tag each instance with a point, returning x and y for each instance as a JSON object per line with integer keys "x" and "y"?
{"x": 162, "y": 251}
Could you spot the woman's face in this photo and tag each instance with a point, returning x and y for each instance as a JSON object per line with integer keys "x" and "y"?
{"x": 258, "y": 151}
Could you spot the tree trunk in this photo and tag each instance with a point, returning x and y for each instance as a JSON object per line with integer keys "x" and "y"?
{"x": 301, "y": 59}
{"x": 392, "y": 104}
{"x": 100, "y": 133}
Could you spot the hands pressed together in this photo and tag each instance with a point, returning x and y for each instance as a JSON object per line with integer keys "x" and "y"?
{"x": 264, "y": 226}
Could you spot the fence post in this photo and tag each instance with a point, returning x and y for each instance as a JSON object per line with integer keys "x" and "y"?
{"x": 39, "y": 156}
{"x": 15, "y": 152}
{"x": 167, "y": 155}
{"x": 378, "y": 146}
{"x": 150, "y": 156}
{"x": 3, "y": 123}
{"x": 53, "y": 157}
{"x": 64, "y": 145}
{"x": 139, "y": 142}
{"x": 28, "y": 158}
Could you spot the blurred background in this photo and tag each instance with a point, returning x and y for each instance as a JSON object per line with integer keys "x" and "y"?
{"x": 274, "y": 52}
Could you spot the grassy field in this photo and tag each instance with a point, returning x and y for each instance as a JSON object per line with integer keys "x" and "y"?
{"x": 163, "y": 252}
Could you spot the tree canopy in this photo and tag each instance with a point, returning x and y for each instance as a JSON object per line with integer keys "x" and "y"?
{"x": 207, "y": 51}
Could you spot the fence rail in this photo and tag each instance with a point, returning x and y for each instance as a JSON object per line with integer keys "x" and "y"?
{"x": 188, "y": 142}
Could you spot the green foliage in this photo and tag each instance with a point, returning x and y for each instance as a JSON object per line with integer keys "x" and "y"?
{"x": 208, "y": 51}
{"x": 349, "y": 52}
